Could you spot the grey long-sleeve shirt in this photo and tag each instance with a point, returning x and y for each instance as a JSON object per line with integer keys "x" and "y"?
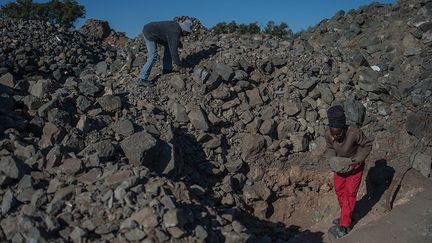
{"x": 166, "y": 33}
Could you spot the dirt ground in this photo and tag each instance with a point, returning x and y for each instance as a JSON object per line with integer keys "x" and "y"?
{"x": 409, "y": 221}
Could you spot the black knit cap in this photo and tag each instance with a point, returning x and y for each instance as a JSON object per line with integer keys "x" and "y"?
{"x": 336, "y": 117}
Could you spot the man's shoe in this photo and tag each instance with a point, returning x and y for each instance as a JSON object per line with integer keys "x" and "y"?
{"x": 339, "y": 231}
{"x": 142, "y": 83}
{"x": 166, "y": 71}
{"x": 336, "y": 221}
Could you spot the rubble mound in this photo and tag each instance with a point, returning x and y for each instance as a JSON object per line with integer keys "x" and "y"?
{"x": 230, "y": 151}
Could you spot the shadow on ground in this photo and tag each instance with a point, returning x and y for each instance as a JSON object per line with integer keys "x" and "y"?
{"x": 194, "y": 59}
{"x": 225, "y": 223}
{"x": 378, "y": 180}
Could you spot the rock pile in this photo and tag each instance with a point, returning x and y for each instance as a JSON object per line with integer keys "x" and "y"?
{"x": 216, "y": 154}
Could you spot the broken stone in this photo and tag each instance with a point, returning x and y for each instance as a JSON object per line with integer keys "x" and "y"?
{"x": 88, "y": 88}
{"x": 12, "y": 169}
{"x": 198, "y": 119}
{"x": 254, "y": 97}
{"x": 110, "y": 103}
{"x": 104, "y": 149}
{"x": 234, "y": 166}
{"x": 252, "y": 145}
{"x": 201, "y": 75}
{"x": 139, "y": 147}
{"x": 83, "y": 123}
{"x": 423, "y": 163}
{"x": 286, "y": 127}
{"x": 7, "y": 80}
{"x": 146, "y": 218}
{"x": 135, "y": 235}
{"x": 225, "y": 71}
{"x": 71, "y": 166}
{"x": 43, "y": 88}
{"x": 174, "y": 217}
{"x": 180, "y": 113}
{"x": 123, "y": 127}
{"x": 178, "y": 83}
{"x": 8, "y": 202}
{"x": 300, "y": 141}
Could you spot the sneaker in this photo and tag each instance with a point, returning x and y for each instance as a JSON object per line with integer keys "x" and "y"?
{"x": 142, "y": 83}
{"x": 339, "y": 231}
{"x": 336, "y": 221}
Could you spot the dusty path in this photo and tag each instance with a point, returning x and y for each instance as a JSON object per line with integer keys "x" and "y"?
{"x": 409, "y": 222}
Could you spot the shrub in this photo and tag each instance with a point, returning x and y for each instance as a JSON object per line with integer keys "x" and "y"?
{"x": 63, "y": 12}
{"x": 282, "y": 30}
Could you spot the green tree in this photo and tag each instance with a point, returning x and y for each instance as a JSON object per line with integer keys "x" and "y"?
{"x": 64, "y": 12}
{"x": 282, "y": 30}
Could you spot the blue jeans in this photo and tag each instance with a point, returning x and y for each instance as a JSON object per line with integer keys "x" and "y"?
{"x": 151, "y": 59}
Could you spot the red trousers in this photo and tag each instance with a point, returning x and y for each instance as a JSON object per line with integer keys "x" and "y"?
{"x": 346, "y": 187}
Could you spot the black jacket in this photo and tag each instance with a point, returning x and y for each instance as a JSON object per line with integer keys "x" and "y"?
{"x": 166, "y": 33}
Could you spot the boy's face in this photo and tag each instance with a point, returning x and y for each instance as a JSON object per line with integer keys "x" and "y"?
{"x": 338, "y": 134}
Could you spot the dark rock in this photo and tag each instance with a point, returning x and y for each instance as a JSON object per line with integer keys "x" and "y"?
{"x": 252, "y": 145}
{"x": 139, "y": 148}
{"x": 110, "y": 103}
{"x": 7, "y": 80}
{"x": 354, "y": 112}
{"x": 225, "y": 71}
{"x": 180, "y": 113}
{"x": 368, "y": 80}
{"x": 104, "y": 149}
{"x": 174, "y": 217}
{"x": 178, "y": 83}
{"x": 123, "y": 127}
{"x": 43, "y": 88}
{"x": 300, "y": 141}
{"x": 278, "y": 61}
{"x": 423, "y": 163}
{"x": 198, "y": 119}
{"x": 101, "y": 68}
{"x": 292, "y": 108}
{"x": 8, "y": 202}
{"x": 234, "y": 166}
{"x": 135, "y": 235}
{"x": 83, "y": 103}
{"x": 240, "y": 75}
{"x": 58, "y": 117}
{"x": 12, "y": 168}
{"x": 95, "y": 30}
{"x": 357, "y": 59}
{"x": 213, "y": 82}
{"x": 419, "y": 124}
{"x": 201, "y": 75}
{"x": 43, "y": 110}
{"x": 71, "y": 166}
{"x": 245, "y": 65}
{"x": 254, "y": 97}
{"x": 306, "y": 84}
{"x": 88, "y": 88}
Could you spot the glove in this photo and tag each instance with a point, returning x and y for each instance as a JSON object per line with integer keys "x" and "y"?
{"x": 341, "y": 164}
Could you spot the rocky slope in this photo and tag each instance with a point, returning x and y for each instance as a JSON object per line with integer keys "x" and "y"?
{"x": 230, "y": 151}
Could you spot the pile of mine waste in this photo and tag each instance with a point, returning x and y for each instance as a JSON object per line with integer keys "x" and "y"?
{"x": 226, "y": 152}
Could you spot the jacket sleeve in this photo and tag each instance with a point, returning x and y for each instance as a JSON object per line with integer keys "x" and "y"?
{"x": 364, "y": 148}
{"x": 330, "y": 151}
{"x": 173, "y": 45}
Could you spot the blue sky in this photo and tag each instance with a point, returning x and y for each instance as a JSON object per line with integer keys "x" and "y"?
{"x": 130, "y": 15}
